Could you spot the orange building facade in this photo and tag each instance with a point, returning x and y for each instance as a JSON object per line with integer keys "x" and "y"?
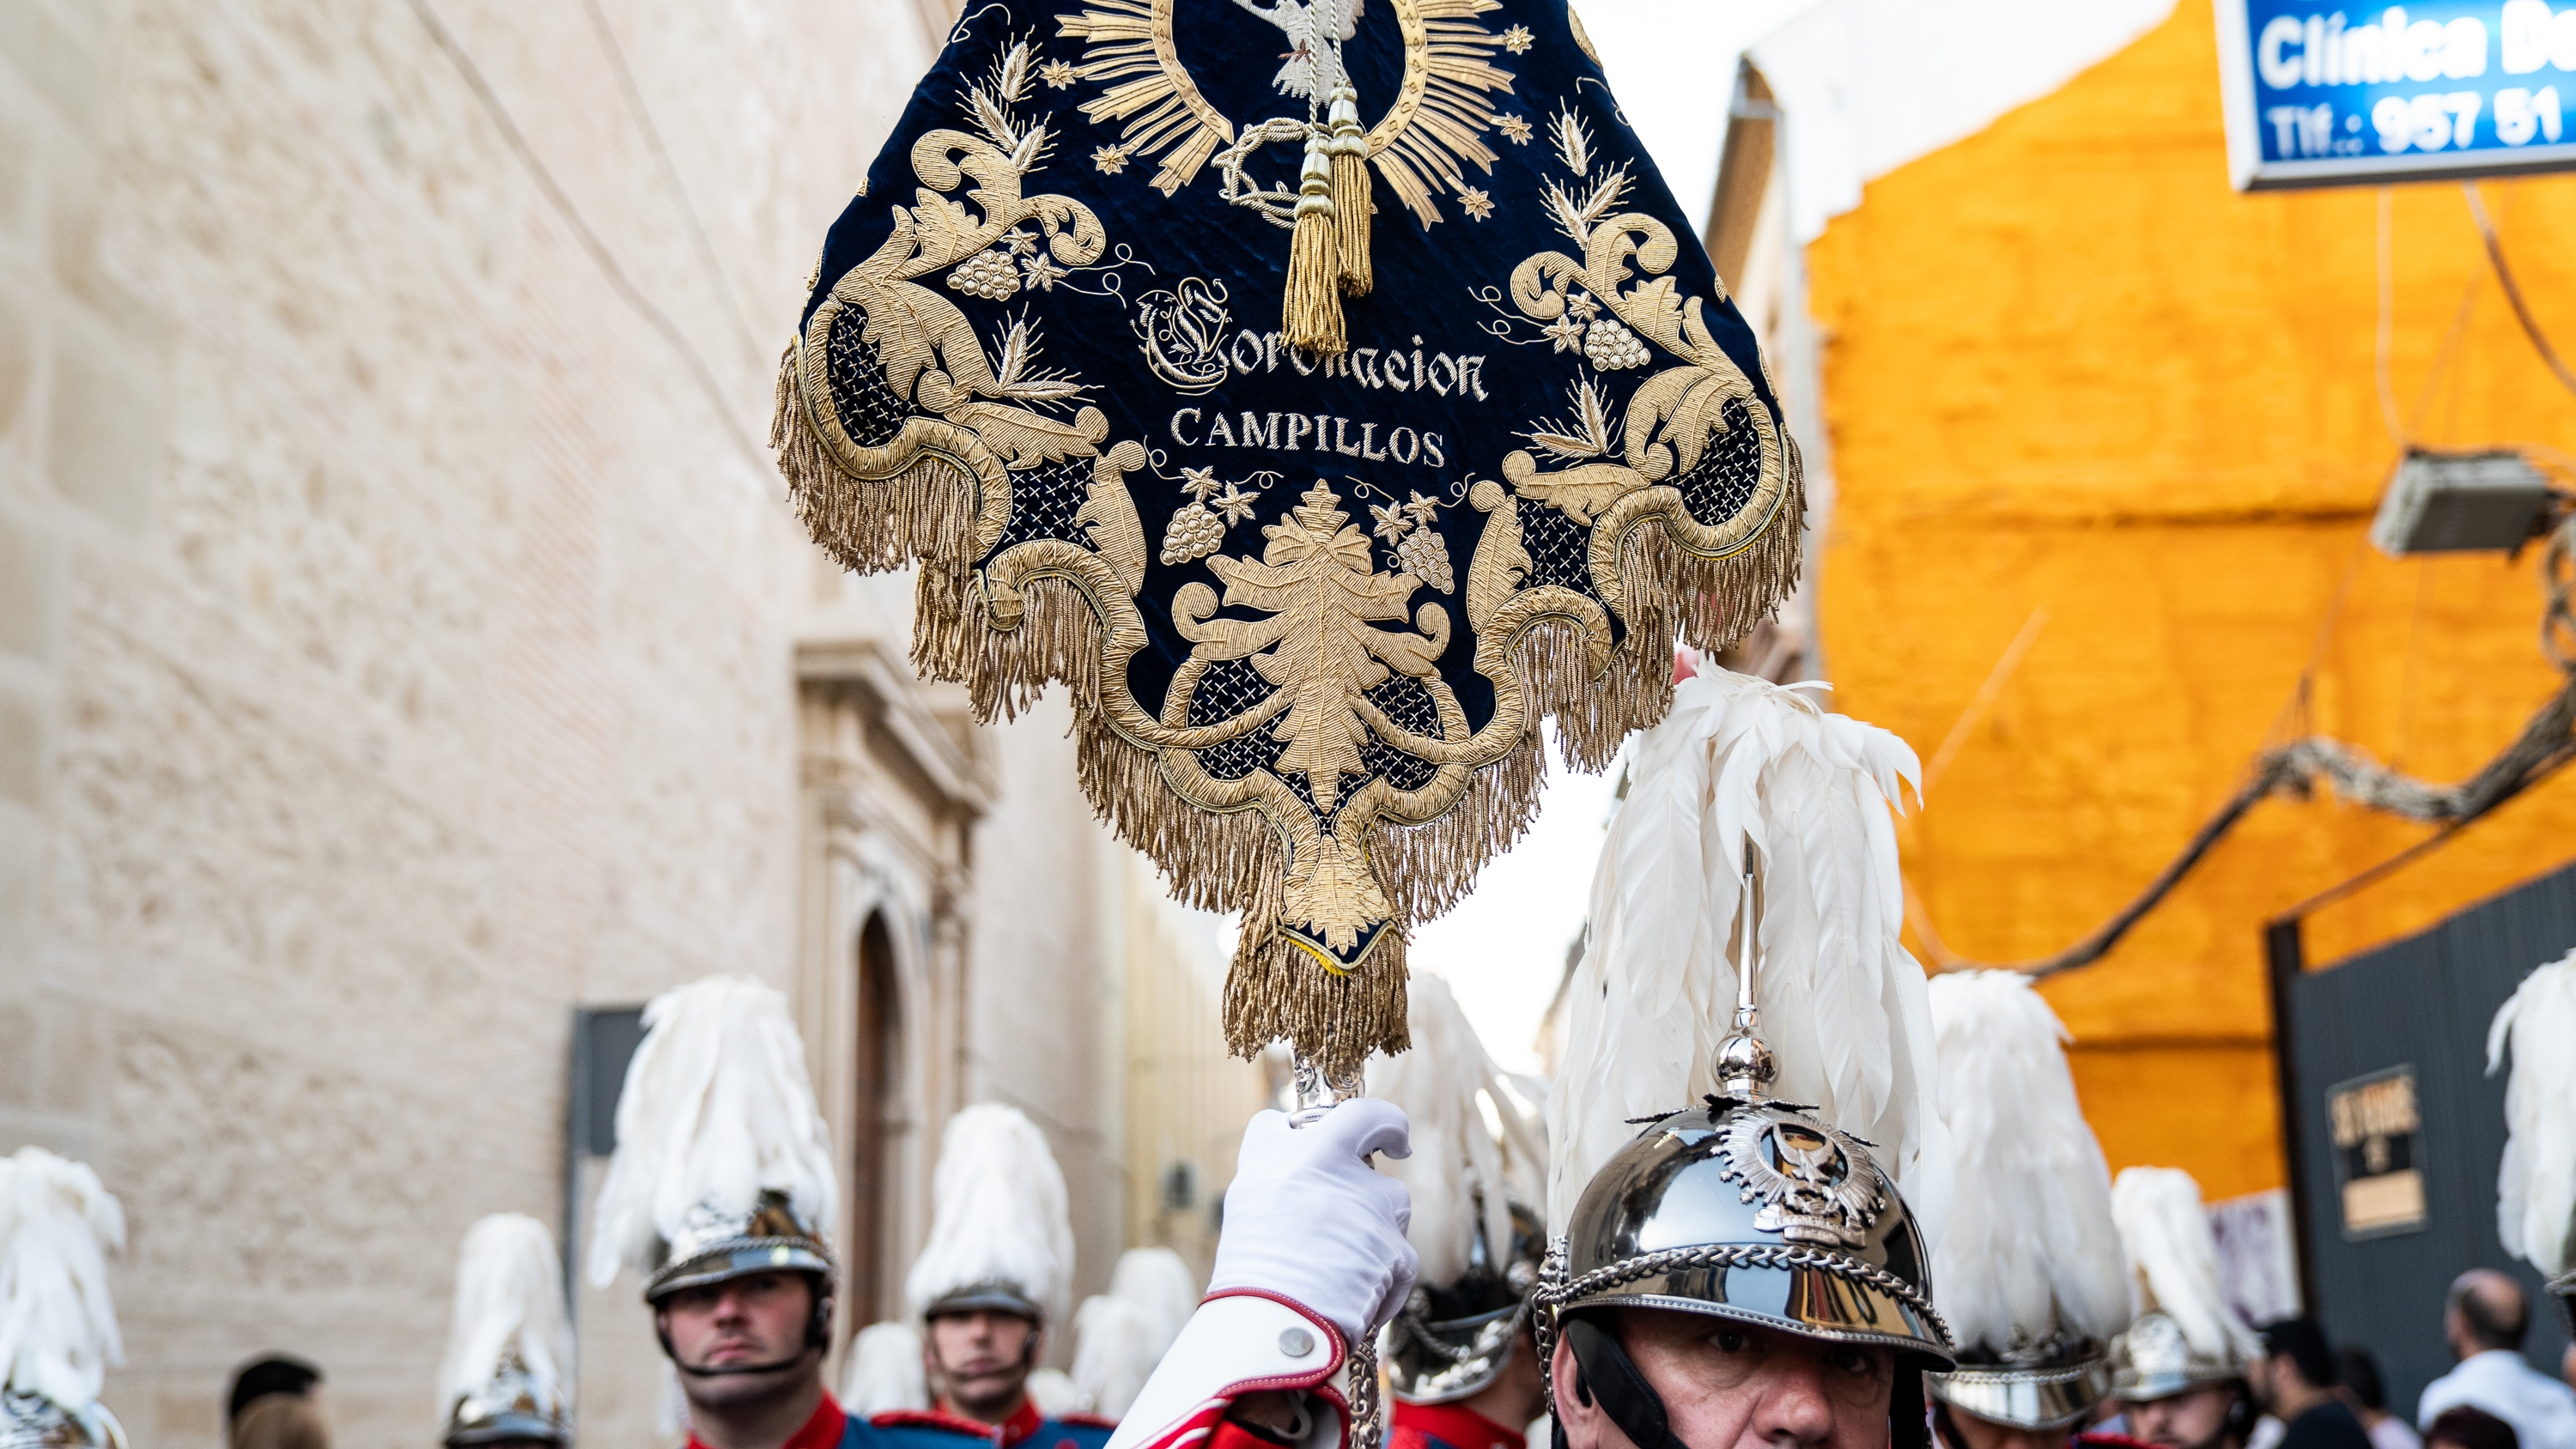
{"x": 2079, "y": 393}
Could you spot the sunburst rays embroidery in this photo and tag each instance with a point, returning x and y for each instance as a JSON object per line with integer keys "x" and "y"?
{"x": 1431, "y": 132}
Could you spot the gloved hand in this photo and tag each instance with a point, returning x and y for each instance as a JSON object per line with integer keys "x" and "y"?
{"x": 1308, "y": 1219}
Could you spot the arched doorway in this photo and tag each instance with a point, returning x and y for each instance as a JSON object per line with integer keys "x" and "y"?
{"x": 877, "y": 1104}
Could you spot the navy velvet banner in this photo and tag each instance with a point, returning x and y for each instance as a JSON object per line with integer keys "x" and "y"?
{"x": 1322, "y": 601}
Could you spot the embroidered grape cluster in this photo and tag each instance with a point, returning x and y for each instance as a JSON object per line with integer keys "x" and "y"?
{"x": 988, "y": 275}
{"x": 1194, "y": 533}
{"x": 1425, "y": 555}
{"x": 1611, "y": 346}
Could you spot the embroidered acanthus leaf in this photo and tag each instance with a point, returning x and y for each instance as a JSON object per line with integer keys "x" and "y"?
{"x": 1318, "y": 582}
{"x": 1024, "y": 439}
{"x": 1694, "y": 401}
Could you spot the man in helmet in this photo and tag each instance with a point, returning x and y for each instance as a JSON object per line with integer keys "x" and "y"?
{"x": 2179, "y": 1371}
{"x": 718, "y": 1194}
{"x": 1740, "y": 1270}
{"x": 2029, "y": 1269}
{"x": 998, "y": 1268}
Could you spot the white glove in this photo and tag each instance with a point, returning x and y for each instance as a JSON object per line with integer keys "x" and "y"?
{"x": 1308, "y": 1219}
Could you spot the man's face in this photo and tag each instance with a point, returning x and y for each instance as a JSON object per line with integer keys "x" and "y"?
{"x": 2185, "y": 1420}
{"x": 981, "y": 1360}
{"x": 1728, "y": 1385}
{"x": 1974, "y": 1433}
{"x": 737, "y": 1324}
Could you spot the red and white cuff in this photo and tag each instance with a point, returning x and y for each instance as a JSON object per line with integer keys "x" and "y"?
{"x": 1241, "y": 1341}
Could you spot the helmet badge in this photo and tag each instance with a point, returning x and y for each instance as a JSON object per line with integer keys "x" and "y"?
{"x": 1813, "y": 1186}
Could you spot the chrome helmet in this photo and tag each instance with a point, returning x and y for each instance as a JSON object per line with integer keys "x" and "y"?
{"x": 2046, "y": 1386}
{"x": 1751, "y": 1209}
{"x": 512, "y": 1404}
{"x": 1451, "y": 1341}
{"x": 713, "y": 1246}
{"x": 32, "y": 1421}
{"x": 2154, "y": 1361}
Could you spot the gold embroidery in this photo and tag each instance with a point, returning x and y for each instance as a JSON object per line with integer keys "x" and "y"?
{"x": 1475, "y": 203}
{"x": 1429, "y": 133}
{"x": 1329, "y": 860}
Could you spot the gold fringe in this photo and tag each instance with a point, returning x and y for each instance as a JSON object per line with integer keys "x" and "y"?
{"x": 1311, "y": 309}
{"x": 869, "y": 526}
{"x": 1275, "y": 988}
{"x": 1276, "y": 991}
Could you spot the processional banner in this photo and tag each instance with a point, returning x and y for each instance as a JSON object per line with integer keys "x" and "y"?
{"x": 1328, "y": 392}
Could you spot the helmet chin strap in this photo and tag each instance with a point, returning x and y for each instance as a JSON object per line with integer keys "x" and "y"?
{"x": 818, "y": 1334}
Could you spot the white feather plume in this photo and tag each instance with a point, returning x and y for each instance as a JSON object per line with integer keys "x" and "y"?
{"x": 885, "y": 1371}
{"x": 509, "y": 1294}
{"x": 716, "y": 1109}
{"x": 2173, "y": 1255}
{"x": 1120, "y": 1335}
{"x": 2536, "y": 1185}
{"x": 57, "y": 1328}
{"x": 1740, "y": 761}
{"x": 2030, "y": 1249}
{"x": 1052, "y": 1394}
{"x": 1471, "y": 1136}
{"x": 997, "y": 1214}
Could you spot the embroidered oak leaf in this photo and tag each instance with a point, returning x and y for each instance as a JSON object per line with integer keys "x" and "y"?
{"x": 1318, "y": 582}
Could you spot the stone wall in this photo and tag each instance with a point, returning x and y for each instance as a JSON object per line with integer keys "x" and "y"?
{"x": 398, "y": 635}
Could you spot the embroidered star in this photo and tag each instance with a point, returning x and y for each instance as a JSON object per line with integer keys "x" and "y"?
{"x": 1517, "y": 39}
{"x": 1566, "y": 332}
{"x": 1475, "y": 203}
{"x": 1110, "y": 159}
{"x": 1234, "y": 505}
{"x": 1391, "y": 522}
{"x": 1582, "y": 305}
{"x": 1516, "y": 127}
{"x": 1042, "y": 272}
{"x": 1199, "y": 482}
{"x": 1424, "y": 510}
{"x": 1057, "y": 73}
{"x": 1020, "y": 240}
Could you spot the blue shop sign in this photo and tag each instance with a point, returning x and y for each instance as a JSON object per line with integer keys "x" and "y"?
{"x": 2318, "y": 96}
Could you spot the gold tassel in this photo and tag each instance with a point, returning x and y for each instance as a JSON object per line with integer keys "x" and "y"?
{"x": 1351, "y": 201}
{"x": 1312, "y": 311}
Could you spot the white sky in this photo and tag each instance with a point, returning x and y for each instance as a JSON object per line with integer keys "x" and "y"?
{"x": 1503, "y": 948}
